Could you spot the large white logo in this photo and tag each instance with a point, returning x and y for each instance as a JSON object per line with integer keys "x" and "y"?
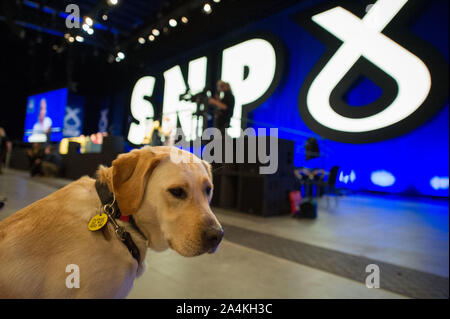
{"x": 364, "y": 38}
{"x": 259, "y": 57}
{"x": 72, "y": 122}
{"x": 103, "y": 121}
{"x": 174, "y": 87}
{"x": 249, "y": 67}
{"x": 141, "y": 109}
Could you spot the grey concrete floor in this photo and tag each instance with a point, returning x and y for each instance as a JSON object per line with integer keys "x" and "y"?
{"x": 407, "y": 233}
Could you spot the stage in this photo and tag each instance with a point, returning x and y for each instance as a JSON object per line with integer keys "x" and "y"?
{"x": 282, "y": 257}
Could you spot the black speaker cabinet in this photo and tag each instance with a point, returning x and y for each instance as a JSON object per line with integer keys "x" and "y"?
{"x": 241, "y": 186}
{"x": 284, "y": 155}
{"x": 225, "y": 191}
{"x": 265, "y": 195}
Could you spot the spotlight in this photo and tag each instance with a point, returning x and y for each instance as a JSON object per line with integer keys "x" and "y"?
{"x": 121, "y": 55}
{"x": 151, "y": 37}
{"x": 88, "y": 21}
{"x": 104, "y": 17}
{"x": 141, "y": 40}
{"x": 173, "y": 23}
{"x": 207, "y": 8}
{"x": 113, "y": 2}
{"x": 155, "y": 32}
{"x": 90, "y": 31}
{"x": 79, "y": 38}
{"x": 184, "y": 20}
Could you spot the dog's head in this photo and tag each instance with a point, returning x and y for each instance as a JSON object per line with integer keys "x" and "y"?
{"x": 169, "y": 198}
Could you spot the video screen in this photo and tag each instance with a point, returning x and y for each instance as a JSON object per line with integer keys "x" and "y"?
{"x": 45, "y": 116}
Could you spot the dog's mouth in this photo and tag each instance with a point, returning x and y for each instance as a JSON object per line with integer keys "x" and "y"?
{"x": 213, "y": 250}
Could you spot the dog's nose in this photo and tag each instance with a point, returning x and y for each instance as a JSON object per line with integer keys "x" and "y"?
{"x": 211, "y": 238}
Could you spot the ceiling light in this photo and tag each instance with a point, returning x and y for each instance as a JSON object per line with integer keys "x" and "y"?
{"x": 184, "y": 20}
{"x": 90, "y": 31}
{"x": 151, "y": 37}
{"x": 155, "y": 32}
{"x": 113, "y": 2}
{"x": 85, "y": 27}
{"x": 141, "y": 40}
{"x": 173, "y": 23}
{"x": 88, "y": 21}
{"x": 207, "y": 8}
{"x": 71, "y": 39}
{"x": 121, "y": 55}
{"x": 104, "y": 17}
{"x": 79, "y": 38}
{"x": 118, "y": 59}
{"x": 216, "y": 1}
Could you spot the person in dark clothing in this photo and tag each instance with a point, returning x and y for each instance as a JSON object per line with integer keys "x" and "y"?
{"x": 224, "y": 105}
{"x": 35, "y": 155}
{"x": 5, "y": 147}
{"x": 51, "y": 162}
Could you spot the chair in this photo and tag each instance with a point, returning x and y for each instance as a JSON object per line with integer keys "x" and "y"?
{"x": 329, "y": 185}
{"x": 305, "y": 181}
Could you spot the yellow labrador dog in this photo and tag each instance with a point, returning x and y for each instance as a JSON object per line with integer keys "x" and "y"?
{"x": 168, "y": 200}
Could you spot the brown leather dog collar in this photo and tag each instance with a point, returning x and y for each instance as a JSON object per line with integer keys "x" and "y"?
{"x": 108, "y": 200}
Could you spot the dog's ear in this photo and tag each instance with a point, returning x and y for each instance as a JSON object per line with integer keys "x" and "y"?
{"x": 130, "y": 173}
{"x": 208, "y": 169}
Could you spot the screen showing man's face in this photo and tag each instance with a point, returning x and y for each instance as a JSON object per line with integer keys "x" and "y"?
{"x": 42, "y": 110}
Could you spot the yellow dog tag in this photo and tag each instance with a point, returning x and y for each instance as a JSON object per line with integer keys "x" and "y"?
{"x": 97, "y": 222}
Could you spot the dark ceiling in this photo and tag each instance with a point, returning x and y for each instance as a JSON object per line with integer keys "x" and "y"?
{"x": 37, "y": 54}
{"x": 43, "y": 21}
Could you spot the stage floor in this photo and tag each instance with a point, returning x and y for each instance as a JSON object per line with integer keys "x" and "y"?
{"x": 281, "y": 257}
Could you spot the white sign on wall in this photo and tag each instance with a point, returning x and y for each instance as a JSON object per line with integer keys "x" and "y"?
{"x": 255, "y": 57}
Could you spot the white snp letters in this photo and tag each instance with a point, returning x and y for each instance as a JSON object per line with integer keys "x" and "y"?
{"x": 174, "y": 87}
{"x": 259, "y": 56}
{"x": 141, "y": 109}
{"x": 256, "y": 55}
{"x": 250, "y": 67}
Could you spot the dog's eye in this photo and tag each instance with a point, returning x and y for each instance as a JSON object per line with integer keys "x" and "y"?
{"x": 208, "y": 190}
{"x": 178, "y": 192}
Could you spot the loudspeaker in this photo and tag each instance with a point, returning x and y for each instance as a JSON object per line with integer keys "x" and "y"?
{"x": 225, "y": 191}
{"x": 264, "y": 195}
{"x": 241, "y": 186}
{"x": 284, "y": 155}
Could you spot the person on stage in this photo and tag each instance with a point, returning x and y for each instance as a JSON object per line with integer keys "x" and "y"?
{"x": 224, "y": 102}
{"x": 43, "y": 125}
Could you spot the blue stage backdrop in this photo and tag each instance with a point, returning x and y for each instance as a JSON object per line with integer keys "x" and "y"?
{"x": 416, "y": 162}
{"x": 411, "y": 156}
